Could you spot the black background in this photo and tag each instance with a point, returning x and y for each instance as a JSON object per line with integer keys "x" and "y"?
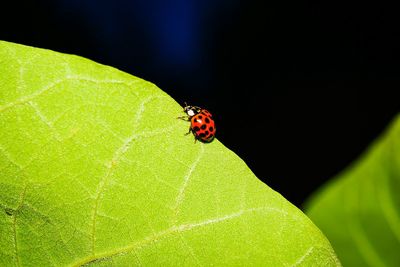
{"x": 298, "y": 89}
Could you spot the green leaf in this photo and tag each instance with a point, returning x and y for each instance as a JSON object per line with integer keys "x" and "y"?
{"x": 359, "y": 210}
{"x": 96, "y": 169}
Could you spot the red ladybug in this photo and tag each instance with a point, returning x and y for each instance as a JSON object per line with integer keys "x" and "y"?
{"x": 202, "y": 124}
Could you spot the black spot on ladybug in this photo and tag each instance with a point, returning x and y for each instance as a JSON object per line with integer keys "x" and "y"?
{"x": 211, "y": 129}
{"x": 207, "y": 120}
{"x": 202, "y": 135}
{"x": 206, "y": 132}
{"x": 203, "y": 127}
{"x": 196, "y": 129}
{"x": 200, "y": 117}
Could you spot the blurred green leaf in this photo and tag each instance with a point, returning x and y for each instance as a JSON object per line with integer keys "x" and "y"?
{"x": 359, "y": 211}
{"x": 96, "y": 169}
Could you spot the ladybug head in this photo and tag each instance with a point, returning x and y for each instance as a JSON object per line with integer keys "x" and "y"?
{"x": 191, "y": 110}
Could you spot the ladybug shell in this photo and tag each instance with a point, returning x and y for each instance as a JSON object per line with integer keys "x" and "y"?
{"x": 206, "y": 113}
{"x": 203, "y": 126}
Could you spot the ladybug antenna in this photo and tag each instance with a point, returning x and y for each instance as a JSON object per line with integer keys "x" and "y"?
{"x": 185, "y": 104}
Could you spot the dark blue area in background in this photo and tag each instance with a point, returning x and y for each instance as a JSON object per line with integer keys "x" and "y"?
{"x": 298, "y": 89}
{"x": 166, "y": 39}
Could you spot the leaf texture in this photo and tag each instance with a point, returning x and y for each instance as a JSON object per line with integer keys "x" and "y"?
{"x": 96, "y": 170}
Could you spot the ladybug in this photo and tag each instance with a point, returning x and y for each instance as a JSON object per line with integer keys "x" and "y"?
{"x": 202, "y": 124}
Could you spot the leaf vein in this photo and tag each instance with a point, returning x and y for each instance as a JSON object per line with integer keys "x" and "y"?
{"x": 168, "y": 232}
{"x": 119, "y": 152}
{"x": 44, "y": 119}
{"x": 302, "y": 258}
{"x": 181, "y": 193}
{"x": 32, "y": 96}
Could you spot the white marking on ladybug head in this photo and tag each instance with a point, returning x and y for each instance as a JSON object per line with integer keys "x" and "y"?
{"x": 190, "y": 112}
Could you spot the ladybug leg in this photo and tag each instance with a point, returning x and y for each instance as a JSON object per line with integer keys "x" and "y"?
{"x": 191, "y": 131}
{"x": 185, "y": 118}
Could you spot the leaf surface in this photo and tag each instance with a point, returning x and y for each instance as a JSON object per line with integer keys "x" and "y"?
{"x": 96, "y": 170}
{"x": 359, "y": 210}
